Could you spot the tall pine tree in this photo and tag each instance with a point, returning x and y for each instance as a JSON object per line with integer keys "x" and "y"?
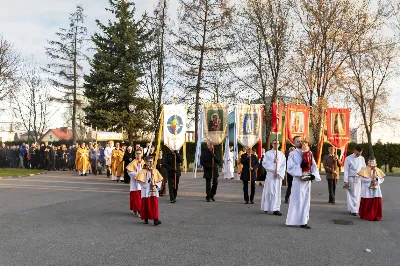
{"x": 116, "y": 69}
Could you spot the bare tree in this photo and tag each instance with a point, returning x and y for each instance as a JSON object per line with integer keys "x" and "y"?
{"x": 370, "y": 66}
{"x": 260, "y": 41}
{"x": 202, "y": 24}
{"x": 32, "y": 100}
{"x": 9, "y": 66}
{"x": 66, "y": 54}
{"x": 328, "y": 30}
{"x": 154, "y": 85}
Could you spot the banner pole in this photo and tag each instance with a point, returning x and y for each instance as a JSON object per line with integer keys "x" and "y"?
{"x": 321, "y": 141}
{"x": 160, "y": 130}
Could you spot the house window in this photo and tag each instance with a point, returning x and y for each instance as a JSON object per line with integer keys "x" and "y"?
{"x": 51, "y": 137}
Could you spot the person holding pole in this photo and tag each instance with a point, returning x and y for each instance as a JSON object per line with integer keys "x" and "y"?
{"x": 210, "y": 162}
{"x": 275, "y": 163}
{"x": 332, "y": 166}
{"x": 250, "y": 164}
{"x": 172, "y": 162}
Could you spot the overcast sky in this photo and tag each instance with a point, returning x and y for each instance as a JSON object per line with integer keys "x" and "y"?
{"x": 29, "y": 24}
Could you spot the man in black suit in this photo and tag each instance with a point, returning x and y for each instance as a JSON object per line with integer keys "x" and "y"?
{"x": 210, "y": 163}
{"x": 3, "y": 155}
{"x": 172, "y": 162}
{"x": 250, "y": 164}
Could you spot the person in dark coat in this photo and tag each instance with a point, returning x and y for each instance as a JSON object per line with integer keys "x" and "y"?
{"x": 129, "y": 156}
{"x": 250, "y": 164}
{"x": 210, "y": 162}
{"x": 160, "y": 167}
{"x": 172, "y": 162}
{"x": 289, "y": 179}
{"x": 262, "y": 173}
{"x": 3, "y": 155}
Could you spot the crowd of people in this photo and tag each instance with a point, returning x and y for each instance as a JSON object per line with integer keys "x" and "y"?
{"x": 148, "y": 176}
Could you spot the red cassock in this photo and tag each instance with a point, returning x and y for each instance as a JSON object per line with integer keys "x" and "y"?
{"x": 135, "y": 200}
{"x": 370, "y": 209}
{"x": 149, "y": 210}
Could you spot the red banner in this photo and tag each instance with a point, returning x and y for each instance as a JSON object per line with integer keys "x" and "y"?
{"x": 297, "y": 121}
{"x": 277, "y": 118}
{"x": 338, "y": 126}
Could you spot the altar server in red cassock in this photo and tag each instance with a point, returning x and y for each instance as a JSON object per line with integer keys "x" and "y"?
{"x": 133, "y": 169}
{"x": 150, "y": 180}
{"x": 371, "y": 194}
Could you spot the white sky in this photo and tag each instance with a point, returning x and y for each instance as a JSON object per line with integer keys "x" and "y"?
{"x": 29, "y": 24}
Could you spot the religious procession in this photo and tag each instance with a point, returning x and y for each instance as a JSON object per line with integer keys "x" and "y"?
{"x": 148, "y": 172}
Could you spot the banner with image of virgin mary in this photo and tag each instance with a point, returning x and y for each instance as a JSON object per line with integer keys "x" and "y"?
{"x": 215, "y": 122}
{"x": 248, "y": 124}
{"x": 297, "y": 121}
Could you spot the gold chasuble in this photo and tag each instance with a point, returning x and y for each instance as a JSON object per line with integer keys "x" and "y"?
{"x": 155, "y": 175}
{"x": 366, "y": 172}
{"x": 82, "y": 159}
{"x": 133, "y": 166}
{"x": 117, "y": 162}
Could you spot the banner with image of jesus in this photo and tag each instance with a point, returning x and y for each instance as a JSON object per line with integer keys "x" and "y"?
{"x": 297, "y": 121}
{"x": 248, "y": 124}
{"x": 338, "y": 126}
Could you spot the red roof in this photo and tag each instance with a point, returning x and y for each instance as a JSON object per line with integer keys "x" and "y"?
{"x": 62, "y": 134}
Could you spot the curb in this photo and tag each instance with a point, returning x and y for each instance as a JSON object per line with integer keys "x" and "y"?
{"x": 11, "y": 177}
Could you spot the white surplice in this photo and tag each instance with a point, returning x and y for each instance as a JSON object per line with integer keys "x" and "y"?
{"x": 299, "y": 207}
{"x": 352, "y": 166}
{"x": 228, "y": 167}
{"x": 271, "y": 197}
{"x": 135, "y": 185}
{"x": 370, "y": 193}
{"x": 107, "y": 154}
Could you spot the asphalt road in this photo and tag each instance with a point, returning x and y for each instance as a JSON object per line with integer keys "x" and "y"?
{"x": 63, "y": 219}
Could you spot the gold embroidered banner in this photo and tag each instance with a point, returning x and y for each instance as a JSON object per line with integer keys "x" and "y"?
{"x": 175, "y": 118}
{"x": 215, "y": 122}
{"x": 248, "y": 124}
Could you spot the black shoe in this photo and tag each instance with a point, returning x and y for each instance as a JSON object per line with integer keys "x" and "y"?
{"x": 354, "y": 214}
{"x": 305, "y": 226}
{"x": 286, "y": 200}
{"x": 85, "y": 174}
{"x": 247, "y": 202}
{"x": 146, "y": 221}
{"x": 172, "y": 201}
{"x": 157, "y": 222}
{"x": 81, "y": 174}
{"x": 266, "y": 211}
{"x": 277, "y": 213}
{"x": 212, "y": 199}
{"x": 251, "y": 202}
{"x": 207, "y": 199}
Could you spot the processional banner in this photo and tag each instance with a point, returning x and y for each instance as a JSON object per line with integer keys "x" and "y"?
{"x": 338, "y": 126}
{"x": 277, "y": 117}
{"x": 248, "y": 124}
{"x": 215, "y": 122}
{"x": 105, "y": 136}
{"x": 175, "y": 118}
{"x": 297, "y": 121}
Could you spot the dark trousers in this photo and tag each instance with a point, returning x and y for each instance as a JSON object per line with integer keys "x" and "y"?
{"x": 173, "y": 192}
{"x": 93, "y": 165}
{"x": 332, "y": 189}
{"x": 2, "y": 162}
{"x": 127, "y": 178}
{"x": 289, "y": 180}
{"x": 46, "y": 164}
{"x": 211, "y": 190}
{"x": 246, "y": 190}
